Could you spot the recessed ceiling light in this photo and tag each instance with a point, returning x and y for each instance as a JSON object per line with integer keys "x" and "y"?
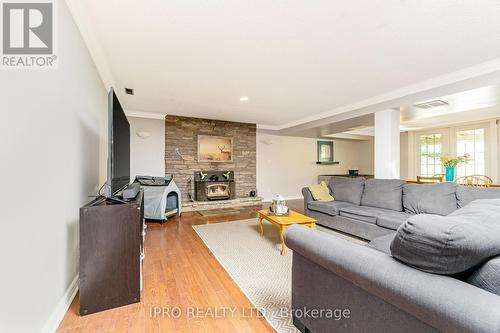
{"x": 244, "y": 99}
{"x": 129, "y": 91}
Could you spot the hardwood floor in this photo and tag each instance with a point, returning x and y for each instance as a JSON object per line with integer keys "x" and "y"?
{"x": 180, "y": 276}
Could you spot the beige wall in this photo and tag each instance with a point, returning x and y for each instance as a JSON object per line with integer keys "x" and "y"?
{"x": 51, "y": 148}
{"x": 286, "y": 164}
{"x": 147, "y": 156}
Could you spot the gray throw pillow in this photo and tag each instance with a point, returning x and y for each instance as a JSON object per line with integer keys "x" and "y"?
{"x": 467, "y": 194}
{"x": 383, "y": 193}
{"x": 487, "y": 276}
{"x": 450, "y": 244}
{"x": 347, "y": 189}
{"x": 437, "y": 199}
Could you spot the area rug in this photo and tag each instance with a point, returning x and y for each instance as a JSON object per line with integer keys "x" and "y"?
{"x": 255, "y": 264}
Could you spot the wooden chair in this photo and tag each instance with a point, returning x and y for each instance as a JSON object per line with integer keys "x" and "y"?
{"x": 475, "y": 181}
{"x": 429, "y": 179}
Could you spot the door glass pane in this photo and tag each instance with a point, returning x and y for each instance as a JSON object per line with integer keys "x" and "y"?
{"x": 471, "y": 142}
{"x": 430, "y": 153}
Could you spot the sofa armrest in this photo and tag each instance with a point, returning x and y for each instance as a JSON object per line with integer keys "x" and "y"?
{"x": 306, "y": 193}
{"x": 440, "y": 301}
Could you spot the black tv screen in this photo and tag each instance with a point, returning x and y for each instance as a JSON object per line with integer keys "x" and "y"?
{"x": 118, "y": 146}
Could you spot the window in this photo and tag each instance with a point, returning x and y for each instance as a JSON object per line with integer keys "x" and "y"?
{"x": 476, "y": 139}
{"x": 472, "y": 142}
{"x": 430, "y": 153}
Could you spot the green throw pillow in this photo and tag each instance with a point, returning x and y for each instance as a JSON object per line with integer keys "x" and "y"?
{"x": 320, "y": 192}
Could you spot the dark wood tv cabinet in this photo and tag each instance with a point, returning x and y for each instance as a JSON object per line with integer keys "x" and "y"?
{"x": 111, "y": 253}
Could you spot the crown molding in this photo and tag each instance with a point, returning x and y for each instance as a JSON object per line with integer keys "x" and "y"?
{"x": 141, "y": 114}
{"x": 268, "y": 127}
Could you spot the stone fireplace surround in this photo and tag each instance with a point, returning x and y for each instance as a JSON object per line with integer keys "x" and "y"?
{"x": 181, "y": 158}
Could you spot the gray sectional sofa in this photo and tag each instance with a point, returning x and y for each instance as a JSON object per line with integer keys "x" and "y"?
{"x": 376, "y": 207}
{"x": 368, "y": 290}
{"x": 378, "y": 292}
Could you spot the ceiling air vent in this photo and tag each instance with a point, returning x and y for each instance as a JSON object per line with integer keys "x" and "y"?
{"x": 430, "y": 104}
{"x": 129, "y": 91}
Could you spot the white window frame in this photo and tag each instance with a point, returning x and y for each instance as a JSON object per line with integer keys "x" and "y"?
{"x": 449, "y": 142}
{"x": 444, "y": 145}
{"x": 487, "y": 143}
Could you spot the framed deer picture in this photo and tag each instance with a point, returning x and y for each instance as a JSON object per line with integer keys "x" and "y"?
{"x": 215, "y": 148}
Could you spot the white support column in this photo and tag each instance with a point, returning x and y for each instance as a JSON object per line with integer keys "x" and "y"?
{"x": 387, "y": 138}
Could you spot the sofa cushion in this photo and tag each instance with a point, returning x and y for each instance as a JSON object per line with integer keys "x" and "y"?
{"x": 392, "y": 220}
{"x": 450, "y": 244}
{"x": 383, "y": 243}
{"x": 328, "y": 207}
{"x": 363, "y": 213}
{"x": 439, "y": 199}
{"x": 487, "y": 276}
{"x": 383, "y": 193}
{"x": 364, "y": 218}
{"x": 467, "y": 194}
{"x": 347, "y": 189}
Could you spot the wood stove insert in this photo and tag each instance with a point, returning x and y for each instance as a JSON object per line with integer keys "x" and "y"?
{"x": 214, "y": 185}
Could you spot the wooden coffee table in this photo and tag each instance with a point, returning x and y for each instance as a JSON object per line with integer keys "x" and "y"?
{"x": 283, "y": 222}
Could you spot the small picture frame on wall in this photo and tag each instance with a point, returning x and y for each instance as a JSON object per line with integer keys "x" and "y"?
{"x": 215, "y": 148}
{"x": 325, "y": 152}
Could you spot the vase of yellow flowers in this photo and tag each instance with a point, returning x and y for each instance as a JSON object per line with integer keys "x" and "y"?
{"x": 450, "y": 164}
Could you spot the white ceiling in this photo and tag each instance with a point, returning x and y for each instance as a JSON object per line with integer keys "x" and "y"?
{"x": 465, "y": 107}
{"x": 367, "y": 132}
{"x": 475, "y": 99}
{"x": 295, "y": 60}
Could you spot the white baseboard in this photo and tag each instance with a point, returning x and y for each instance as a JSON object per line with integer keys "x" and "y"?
{"x": 286, "y": 198}
{"x": 61, "y": 308}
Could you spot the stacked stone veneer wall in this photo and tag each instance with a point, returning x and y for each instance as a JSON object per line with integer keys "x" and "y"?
{"x": 182, "y": 133}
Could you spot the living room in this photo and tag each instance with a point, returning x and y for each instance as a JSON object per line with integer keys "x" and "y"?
{"x": 251, "y": 166}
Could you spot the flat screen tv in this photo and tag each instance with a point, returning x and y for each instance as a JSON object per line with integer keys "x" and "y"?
{"x": 118, "y": 147}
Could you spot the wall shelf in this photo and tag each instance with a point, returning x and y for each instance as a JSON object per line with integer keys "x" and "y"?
{"x": 327, "y": 162}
